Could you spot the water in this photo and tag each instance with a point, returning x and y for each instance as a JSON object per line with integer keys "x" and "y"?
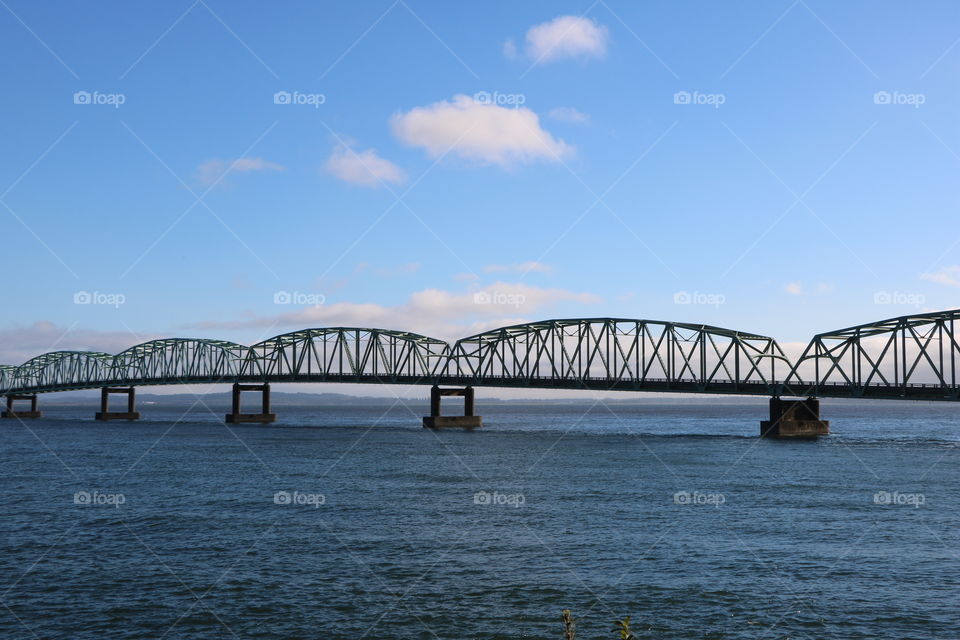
{"x": 674, "y": 514}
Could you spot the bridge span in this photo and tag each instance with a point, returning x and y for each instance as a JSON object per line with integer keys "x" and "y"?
{"x": 911, "y": 357}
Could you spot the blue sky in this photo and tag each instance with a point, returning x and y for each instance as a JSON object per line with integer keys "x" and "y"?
{"x": 778, "y": 167}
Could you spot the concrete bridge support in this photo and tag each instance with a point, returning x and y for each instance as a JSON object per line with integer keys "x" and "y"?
{"x": 466, "y": 421}
{"x": 105, "y": 414}
{"x": 264, "y": 416}
{"x": 794, "y": 419}
{"x": 10, "y": 413}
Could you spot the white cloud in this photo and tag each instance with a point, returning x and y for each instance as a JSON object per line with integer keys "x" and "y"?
{"x": 442, "y": 314}
{"x": 19, "y": 344}
{"x": 799, "y": 289}
{"x": 363, "y": 168}
{"x": 523, "y": 267}
{"x": 949, "y": 276}
{"x": 485, "y": 133}
{"x": 568, "y": 114}
{"x": 214, "y": 171}
{"x": 566, "y": 37}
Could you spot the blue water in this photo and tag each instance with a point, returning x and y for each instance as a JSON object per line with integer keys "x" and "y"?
{"x": 674, "y": 514}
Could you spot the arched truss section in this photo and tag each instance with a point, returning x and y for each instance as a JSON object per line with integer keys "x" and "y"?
{"x": 7, "y": 376}
{"x": 60, "y": 370}
{"x": 348, "y": 353}
{"x": 172, "y": 360}
{"x": 620, "y": 353}
{"x": 885, "y": 357}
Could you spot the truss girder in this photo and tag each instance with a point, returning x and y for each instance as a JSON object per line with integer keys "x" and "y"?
{"x": 618, "y": 350}
{"x": 891, "y": 357}
{"x": 912, "y": 356}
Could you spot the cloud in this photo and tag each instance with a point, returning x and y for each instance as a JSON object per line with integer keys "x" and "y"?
{"x": 443, "y": 314}
{"x": 363, "y": 168}
{"x": 799, "y": 289}
{"x": 949, "y": 276}
{"x": 19, "y": 344}
{"x": 566, "y": 37}
{"x": 213, "y": 171}
{"x": 481, "y": 132}
{"x": 569, "y": 115}
{"x": 523, "y": 267}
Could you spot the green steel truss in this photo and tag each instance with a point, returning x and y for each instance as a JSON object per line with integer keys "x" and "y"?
{"x": 618, "y": 352}
{"x": 911, "y": 357}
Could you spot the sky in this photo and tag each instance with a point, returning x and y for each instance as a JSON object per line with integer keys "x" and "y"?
{"x": 240, "y": 169}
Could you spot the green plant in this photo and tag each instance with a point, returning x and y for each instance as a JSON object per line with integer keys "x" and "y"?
{"x": 569, "y": 626}
{"x": 623, "y": 628}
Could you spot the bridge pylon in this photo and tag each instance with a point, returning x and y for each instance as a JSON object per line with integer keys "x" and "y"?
{"x": 794, "y": 419}
{"x": 105, "y": 414}
{"x": 34, "y": 412}
{"x": 467, "y": 421}
{"x": 235, "y": 416}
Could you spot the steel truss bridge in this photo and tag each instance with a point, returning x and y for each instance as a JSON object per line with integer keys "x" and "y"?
{"x": 911, "y": 357}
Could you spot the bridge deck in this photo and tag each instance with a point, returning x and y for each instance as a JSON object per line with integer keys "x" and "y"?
{"x": 912, "y": 391}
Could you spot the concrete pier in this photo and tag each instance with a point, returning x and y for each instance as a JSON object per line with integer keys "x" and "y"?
{"x": 235, "y": 417}
{"x": 794, "y": 419}
{"x": 32, "y": 413}
{"x": 105, "y": 414}
{"x": 467, "y": 421}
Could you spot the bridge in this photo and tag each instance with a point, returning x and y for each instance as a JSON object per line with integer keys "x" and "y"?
{"x": 911, "y": 357}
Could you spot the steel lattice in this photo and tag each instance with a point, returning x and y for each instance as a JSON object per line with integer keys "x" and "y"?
{"x": 910, "y": 357}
